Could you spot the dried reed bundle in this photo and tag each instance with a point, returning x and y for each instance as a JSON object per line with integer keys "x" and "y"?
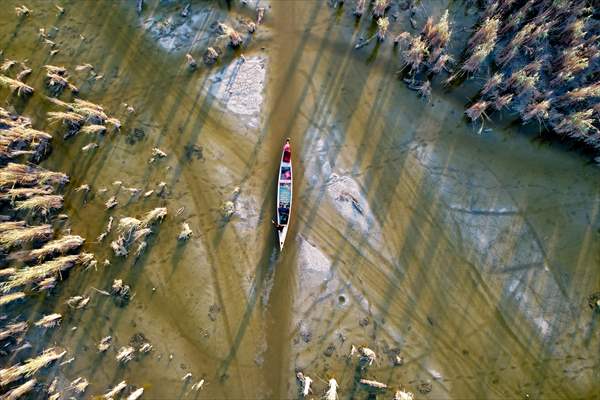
{"x": 57, "y": 246}
{"x": 28, "y": 175}
{"x": 41, "y": 204}
{"x": 477, "y": 110}
{"x": 402, "y": 395}
{"x": 382, "y": 28}
{"x": 305, "y": 381}
{"x": 379, "y": 7}
{"x": 12, "y": 330}
{"x": 49, "y": 269}
{"x": 373, "y": 385}
{"x": 115, "y": 390}
{"x": 331, "y": 393}
{"x": 9, "y": 298}
{"x": 14, "y": 85}
{"x": 49, "y": 321}
{"x": 538, "y": 110}
{"x": 20, "y": 390}
{"x": 24, "y": 234}
{"x": 415, "y": 54}
{"x": 185, "y": 233}
{"x": 136, "y": 394}
{"x": 20, "y": 193}
{"x": 235, "y": 39}
{"x": 29, "y": 367}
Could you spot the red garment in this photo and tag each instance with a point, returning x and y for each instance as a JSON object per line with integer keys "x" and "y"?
{"x": 287, "y": 153}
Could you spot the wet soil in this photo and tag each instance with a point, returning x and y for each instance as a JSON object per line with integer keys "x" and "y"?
{"x": 471, "y": 255}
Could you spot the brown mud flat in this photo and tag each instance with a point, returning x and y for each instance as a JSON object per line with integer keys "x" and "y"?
{"x": 470, "y": 256}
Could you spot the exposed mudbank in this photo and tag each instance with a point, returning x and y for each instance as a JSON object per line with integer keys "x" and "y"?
{"x": 240, "y": 88}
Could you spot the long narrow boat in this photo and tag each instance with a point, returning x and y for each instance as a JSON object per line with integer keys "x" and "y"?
{"x": 284, "y": 193}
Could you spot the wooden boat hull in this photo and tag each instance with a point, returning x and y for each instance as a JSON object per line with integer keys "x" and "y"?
{"x": 284, "y": 197}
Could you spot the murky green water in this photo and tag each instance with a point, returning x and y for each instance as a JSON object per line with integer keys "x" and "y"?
{"x": 472, "y": 254}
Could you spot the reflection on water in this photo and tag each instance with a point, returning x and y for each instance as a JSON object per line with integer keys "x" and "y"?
{"x": 468, "y": 255}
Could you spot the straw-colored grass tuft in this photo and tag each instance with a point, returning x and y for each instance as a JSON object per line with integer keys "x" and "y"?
{"x": 24, "y": 234}
{"x": 29, "y": 367}
{"x": 41, "y": 205}
{"x": 9, "y": 298}
{"x": 19, "y": 87}
{"x": 41, "y": 272}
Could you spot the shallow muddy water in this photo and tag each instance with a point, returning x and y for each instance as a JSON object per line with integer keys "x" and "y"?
{"x": 471, "y": 254}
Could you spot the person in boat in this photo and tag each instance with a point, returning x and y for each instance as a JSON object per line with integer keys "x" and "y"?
{"x": 278, "y": 226}
{"x": 287, "y": 151}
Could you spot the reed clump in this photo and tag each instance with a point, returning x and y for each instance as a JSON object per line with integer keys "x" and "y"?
{"x": 49, "y": 269}
{"x": 546, "y": 61}
{"x": 133, "y": 230}
{"x": 235, "y": 39}
{"x": 29, "y": 191}
{"x": 41, "y": 205}
{"x": 538, "y": 61}
{"x": 16, "y": 86}
{"x": 13, "y": 330}
{"x": 18, "y": 138}
{"x": 426, "y": 53}
{"x": 59, "y": 246}
{"x": 29, "y": 367}
{"x": 84, "y": 116}
{"x": 11, "y": 238}
{"x": 14, "y": 175}
{"x": 57, "y": 79}
{"x": 380, "y": 7}
{"x": 382, "y": 28}
{"x": 11, "y": 297}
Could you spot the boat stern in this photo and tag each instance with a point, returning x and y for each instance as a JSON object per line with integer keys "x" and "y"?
{"x": 282, "y": 236}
